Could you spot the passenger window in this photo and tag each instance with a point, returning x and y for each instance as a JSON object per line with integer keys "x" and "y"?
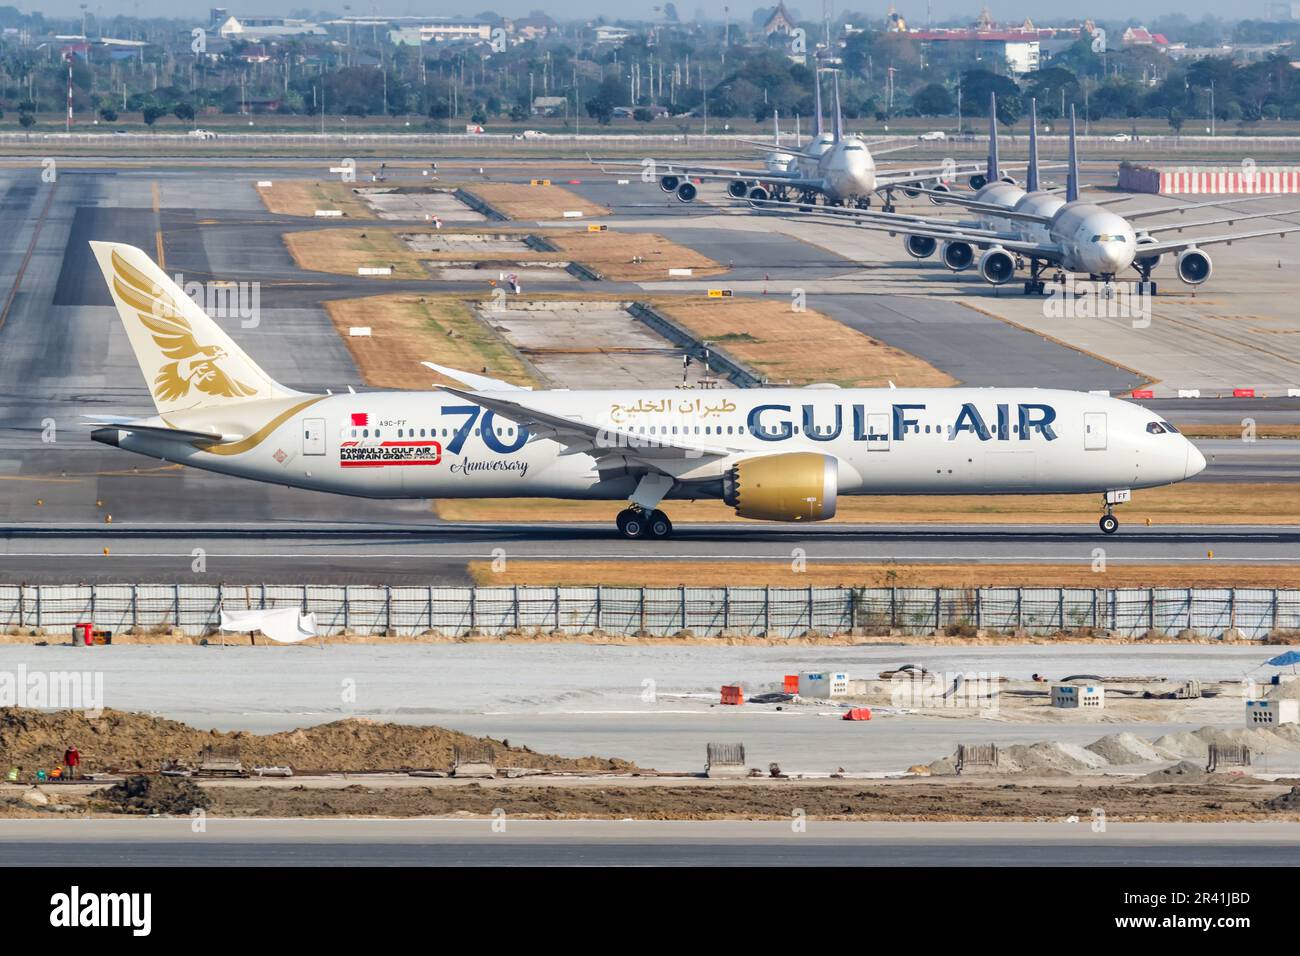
{"x": 366, "y": 433}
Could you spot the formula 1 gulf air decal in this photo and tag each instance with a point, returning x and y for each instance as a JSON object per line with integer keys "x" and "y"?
{"x": 372, "y": 453}
{"x": 777, "y": 422}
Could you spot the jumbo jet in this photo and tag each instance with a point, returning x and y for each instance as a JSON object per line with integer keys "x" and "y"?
{"x": 837, "y": 168}
{"x": 773, "y": 454}
{"x": 1044, "y": 231}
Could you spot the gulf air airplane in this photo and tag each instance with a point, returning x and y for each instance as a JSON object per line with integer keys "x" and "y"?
{"x": 773, "y": 454}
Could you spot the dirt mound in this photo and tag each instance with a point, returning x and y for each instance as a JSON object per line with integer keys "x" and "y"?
{"x": 1285, "y": 801}
{"x": 1185, "y": 771}
{"x": 171, "y": 795}
{"x": 123, "y": 741}
{"x": 1125, "y": 748}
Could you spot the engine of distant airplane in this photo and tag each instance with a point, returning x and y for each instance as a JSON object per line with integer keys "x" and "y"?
{"x": 1194, "y": 266}
{"x": 737, "y": 188}
{"x": 687, "y": 192}
{"x": 957, "y": 255}
{"x": 758, "y": 194}
{"x": 997, "y": 266}
{"x": 920, "y": 247}
{"x": 797, "y": 486}
{"x": 1149, "y": 262}
{"x": 938, "y": 188}
{"x": 669, "y": 183}
{"x": 978, "y": 181}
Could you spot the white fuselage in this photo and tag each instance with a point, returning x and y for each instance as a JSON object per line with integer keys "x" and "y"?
{"x": 886, "y": 441}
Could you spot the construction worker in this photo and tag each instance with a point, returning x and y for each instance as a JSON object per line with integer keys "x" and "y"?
{"x": 71, "y": 760}
{"x": 12, "y": 775}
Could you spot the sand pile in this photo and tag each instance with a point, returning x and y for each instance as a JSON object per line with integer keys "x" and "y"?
{"x": 1185, "y": 771}
{"x": 138, "y": 742}
{"x": 1285, "y": 801}
{"x": 1126, "y": 748}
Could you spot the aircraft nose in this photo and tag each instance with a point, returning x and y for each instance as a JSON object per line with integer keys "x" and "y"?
{"x": 1195, "y": 461}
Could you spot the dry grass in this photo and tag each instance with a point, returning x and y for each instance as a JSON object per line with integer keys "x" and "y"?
{"x": 612, "y": 253}
{"x": 342, "y": 251}
{"x": 1187, "y": 503}
{"x": 800, "y": 347}
{"x": 303, "y": 198}
{"x": 887, "y": 574}
{"x": 408, "y": 329}
{"x": 522, "y": 201}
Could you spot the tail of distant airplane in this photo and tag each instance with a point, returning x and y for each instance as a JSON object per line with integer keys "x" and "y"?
{"x": 776, "y": 128}
{"x": 817, "y": 100}
{"x": 993, "y": 173}
{"x": 838, "y": 129}
{"x": 187, "y": 360}
{"x": 1072, "y": 177}
{"x": 1031, "y": 174}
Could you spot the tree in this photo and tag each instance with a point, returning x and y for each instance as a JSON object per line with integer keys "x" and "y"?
{"x": 1009, "y": 110}
{"x": 643, "y": 115}
{"x": 933, "y": 99}
{"x": 108, "y": 114}
{"x": 152, "y": 113}
{"x": 26, "y": 120}
{"x": 600, "y": 109}
{"x": 1176, "y": 119}
{"x": 183, "y": 112}
{"x": 978, "y": 84}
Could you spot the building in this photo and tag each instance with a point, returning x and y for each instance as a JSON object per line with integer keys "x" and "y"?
{"x": 1019, "y": 47}
{"x": 779, "y": 21}
{"x": 550, "y": 105}
{"x": 266, "y": 28}
{"x": 611, "y": 36}
{"x": 1141, "y": 36}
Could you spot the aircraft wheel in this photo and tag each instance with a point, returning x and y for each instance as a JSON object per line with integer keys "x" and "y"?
{"x": 632, "y": 523}
{"x": 658, "y": 525}
{"x": 1109, "y": 524}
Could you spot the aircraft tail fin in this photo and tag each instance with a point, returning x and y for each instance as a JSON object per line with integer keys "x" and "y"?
{"x": 838, "y": 129}
{"x": 1072, "y": 176}
{"x": 188, "y": 361}
{"x": 776, "y": 128}
{"x": 993, "y": 172}
{"x": 1031, "y": 173}
{"x": 817, "y": 101}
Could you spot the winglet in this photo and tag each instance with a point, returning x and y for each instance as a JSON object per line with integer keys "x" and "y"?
{"x": 481, "y": 382}
{"x": 1072, "y": 177}
{"x": 1031, "y": 174}
{"x": 993, "y": 173}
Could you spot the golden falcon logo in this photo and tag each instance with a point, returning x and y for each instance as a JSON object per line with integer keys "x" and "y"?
{"x": 193, "y": 365}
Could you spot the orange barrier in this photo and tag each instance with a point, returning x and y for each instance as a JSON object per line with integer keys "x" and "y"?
{"x": 791, "y": 684}
{"x": 732, "y": 694}
{"x": 858, "y": 713}
{"x": 1143, "y": 393}
{"x": 1243, "y": 393}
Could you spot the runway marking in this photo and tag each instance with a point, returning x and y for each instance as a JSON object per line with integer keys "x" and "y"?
{"x": 27, "y": 257}
{"x": 570, "y": 556}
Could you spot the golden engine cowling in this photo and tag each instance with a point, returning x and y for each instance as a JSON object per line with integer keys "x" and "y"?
{"x": 799, "y": 486}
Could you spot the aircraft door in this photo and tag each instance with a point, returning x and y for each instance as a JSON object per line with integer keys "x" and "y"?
{"x": 1094, "y": 431}
{"x": 313, "y": 436}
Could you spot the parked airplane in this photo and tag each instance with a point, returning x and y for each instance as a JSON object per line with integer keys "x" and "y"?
{"x": 835, "y": 167}
{"x": 1072, "y": 235}
{"x": 776, "y": 454}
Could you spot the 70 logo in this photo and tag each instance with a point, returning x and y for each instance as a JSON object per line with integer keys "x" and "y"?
{"x": 488, "y": 428}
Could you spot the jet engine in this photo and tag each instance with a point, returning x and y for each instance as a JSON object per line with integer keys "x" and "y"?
{"x": 737, "y": 188}
{"x": 669, "y": 183}
{"x": 938, "y": 188}
{"x": 1009, "y": 180}
{"x": 978, "y": 181}
{"x": 997, "y": 266}
{"x": 957, "y": 255}
{"x": 687, "y": 192}
{"x": 796, "y": 486}
{"x": 1194, "y": 266}
{"x": 1149, "y": 262}
{"x": 920, "y": 247}
{"x": 758, "y": 194}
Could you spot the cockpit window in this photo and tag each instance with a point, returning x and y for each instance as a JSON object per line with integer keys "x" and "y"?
{"x": 1170, "y": 428}
{"x": 1107, "y": 237}
{"x": 1155, "y": 428}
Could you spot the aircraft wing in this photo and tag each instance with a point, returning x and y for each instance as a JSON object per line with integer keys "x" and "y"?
{"x": 946, "y": 198}
{"x": 1229, "y": 220}
{"x": 476, "y": 381}
{"x": 872, "y": 216}
{"x": 981, "y": 238}
{"x": 1183, "y": 207}
{"x": 704, "y": 171}
{"x": 1178, "y": 245}
{"x": 598, "y": 441}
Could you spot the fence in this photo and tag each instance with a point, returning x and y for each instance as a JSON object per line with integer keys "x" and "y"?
{"x": 775, "y": 612}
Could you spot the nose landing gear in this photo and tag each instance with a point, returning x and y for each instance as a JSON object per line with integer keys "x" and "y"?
{"x": 1109, "y": 524}
{"x": 639, "y": 523}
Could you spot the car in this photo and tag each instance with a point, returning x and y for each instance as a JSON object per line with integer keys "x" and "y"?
{"x": 1119, "y": 138}
{"x": 934, "y": 136}
{"x": 200, "y": 133}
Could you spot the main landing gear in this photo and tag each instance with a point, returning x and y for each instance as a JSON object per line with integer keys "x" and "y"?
{"x": 638, "y": 523}
{"x": 1035, "y": 285}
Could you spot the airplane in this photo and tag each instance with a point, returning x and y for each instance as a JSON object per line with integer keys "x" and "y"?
{"x": 1074, "y": 235}
{"x": 773, "y": 454}
{"x": 836, "y": 167}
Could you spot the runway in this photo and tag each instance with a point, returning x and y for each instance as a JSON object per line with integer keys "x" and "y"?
{"x": 433, "y": 553}
{"x": 477, "y": 842}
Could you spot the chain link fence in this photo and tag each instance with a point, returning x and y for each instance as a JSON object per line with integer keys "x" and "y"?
{"x": 1251, "y": 614}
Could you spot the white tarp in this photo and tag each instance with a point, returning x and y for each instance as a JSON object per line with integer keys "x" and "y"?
{"x": 283, "y": 624}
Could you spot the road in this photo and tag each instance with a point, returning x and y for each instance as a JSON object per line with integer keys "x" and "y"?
{"x": 424, "y": 842}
